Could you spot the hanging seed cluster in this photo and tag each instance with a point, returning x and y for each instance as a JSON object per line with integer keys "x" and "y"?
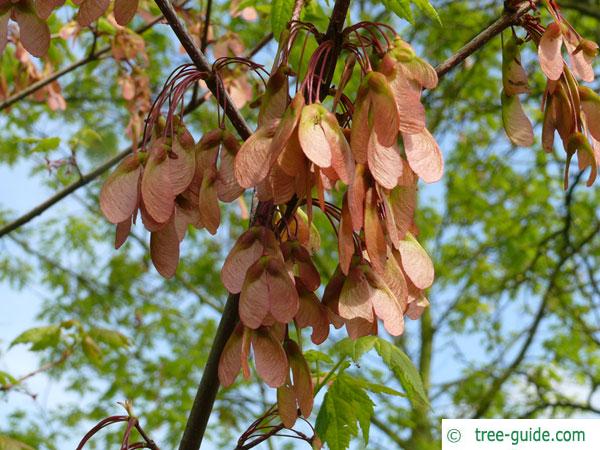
{"x": 570, "y": 109}
{"x": 355, "y": 157}
{"x": 353, "y": 153}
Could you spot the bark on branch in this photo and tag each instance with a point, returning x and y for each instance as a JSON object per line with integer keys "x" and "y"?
{"x": 502, "y": 23}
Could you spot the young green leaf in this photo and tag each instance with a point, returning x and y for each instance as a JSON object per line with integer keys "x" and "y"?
{"x": 346, "y": 406}
{"x": 6, "y": 378}
{"x": 317, "y": 356}
{"x": 404, "y": 370}
{"x": 91, "y": 350}
{"x": 111, "y": 338}
{"x": 354, "y": 349}
{"x": 41, "y": 338}
{"x": 281, "y": 14}
{"x": 426, "y": 7}
{"x": 401, "y": 8}
{"x": 393, "y": 357}
{"x": 8, "y": 443}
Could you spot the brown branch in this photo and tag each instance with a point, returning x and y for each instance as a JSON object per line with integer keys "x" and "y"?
{"x": 209, "y": 383}
{"x": 335, "y": 34}
{"x": 298, "y": 5}
{"x": 84, "y": 180}
{"x": 214, "y": 82}
{"x": 205, "y": 27}
{"x": 497, "y": 27}
{"x": 488, "y": 397}
{"x": 46, "y": 367}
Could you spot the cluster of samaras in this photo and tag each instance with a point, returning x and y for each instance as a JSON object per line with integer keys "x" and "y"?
{"x": 570, "y": 109}
{"x": 364, "y": 150}
{"x": 300, "y": 150}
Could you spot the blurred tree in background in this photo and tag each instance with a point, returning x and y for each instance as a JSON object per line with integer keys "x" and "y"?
{"x": 513, "y": 329}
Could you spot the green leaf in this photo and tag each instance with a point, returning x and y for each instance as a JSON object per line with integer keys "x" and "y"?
{"x": 315, "y": 355}
{"x": 91, "y": 350}
{"x": 393, "y": 357}
{"x": 6, "y": 378}
{"x": 379, "y": 388}
{"x": 404, "y": 370}
{"x": 401, "y": 8}
{"x": 42, "y": 145}
{"x": 41, "y": 338}
{"x": 281, "y": 14}
{"x": 426, "y": 7}
{"x": 111, "y": 338}
{"x": 7, "y": 443}
{"x": 354, "y": 349}
{"x": 346, "y": 406}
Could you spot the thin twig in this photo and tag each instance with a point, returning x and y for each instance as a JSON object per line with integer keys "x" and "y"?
{"x": 298, "y": 5}
{"x": 335, "y": 34}
{"x": 46, "y": 367}
{"x": 213, "y": 82}
{"x": 488, "y": 397}
{"x": 84, "y": 180}
{"x": 205, "y": 27}
{"x": 497, "y": 27}
{"x": 209, "y": 383}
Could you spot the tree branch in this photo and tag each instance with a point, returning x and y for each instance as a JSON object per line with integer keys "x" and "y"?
{"x": 389, "y": 432}
{"x": 506, "y": 20}
{"x": 561, "y": 404}
{"x": 334, "y": 33}
{"x": 46, "y": 367}
{"x": 205, "y": 27}
{"x": 298, "y": 5}
{"x": 83, "y": 181}
{"x": 489, "y": 396}
{"x": 214, "y": 82}
{"x": 209, "y": 383}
